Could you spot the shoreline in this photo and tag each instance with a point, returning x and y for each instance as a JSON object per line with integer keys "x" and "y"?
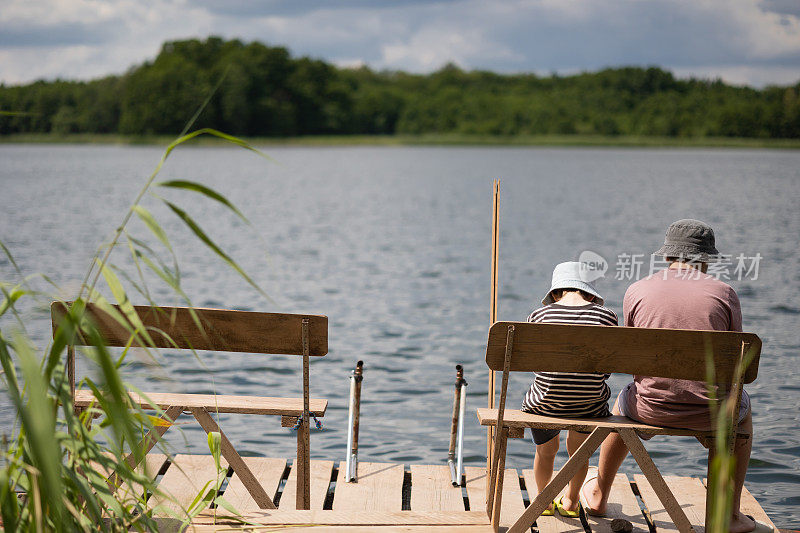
{"x": 421, "y": 140}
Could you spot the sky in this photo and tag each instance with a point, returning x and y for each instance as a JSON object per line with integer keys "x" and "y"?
{"x": 744, "y": 42}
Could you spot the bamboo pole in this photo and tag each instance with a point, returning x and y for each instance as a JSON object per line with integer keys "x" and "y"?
{"x": 492, "y": 320}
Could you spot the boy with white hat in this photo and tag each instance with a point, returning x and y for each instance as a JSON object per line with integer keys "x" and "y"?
{"x": 572, "y": 299}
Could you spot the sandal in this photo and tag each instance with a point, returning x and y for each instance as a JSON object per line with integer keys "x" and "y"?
{"x": 565, "y": 512}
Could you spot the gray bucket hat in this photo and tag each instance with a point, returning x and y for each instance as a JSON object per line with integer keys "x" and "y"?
{"x": 571, "y": 275}
{"x": 689, "y": 239}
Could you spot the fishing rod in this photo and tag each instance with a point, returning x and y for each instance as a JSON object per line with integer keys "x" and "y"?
{"x": 493, "y": 319}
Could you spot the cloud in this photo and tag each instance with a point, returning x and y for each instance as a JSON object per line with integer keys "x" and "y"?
{"x": 54, "y": 35}
{"x": 744, "y": 41}
{"x": 783, "y": 7}
{"x": 282, "y": 8}
{"x": 433, "y": 47}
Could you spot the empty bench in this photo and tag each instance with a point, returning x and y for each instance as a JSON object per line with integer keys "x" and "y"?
{"x": 211, "y": 330}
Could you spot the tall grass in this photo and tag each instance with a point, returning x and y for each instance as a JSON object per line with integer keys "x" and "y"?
{"x": 56, "y": 462}
{"x": 722, "y": 468}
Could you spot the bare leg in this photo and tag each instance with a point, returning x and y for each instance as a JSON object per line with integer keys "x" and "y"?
{"x": 543, "y": 462}
{"x": 612, "y": 453}
{"x": 741, "y": 451}
{"x": 571, "y": 500}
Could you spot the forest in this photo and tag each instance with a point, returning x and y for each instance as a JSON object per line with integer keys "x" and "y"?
{"x": 256, "y": 90}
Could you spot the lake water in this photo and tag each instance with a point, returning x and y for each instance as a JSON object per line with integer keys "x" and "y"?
{"x": 393, "y": 245}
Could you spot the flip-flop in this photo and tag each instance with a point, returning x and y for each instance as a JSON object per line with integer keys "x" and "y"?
{"x": 761, "y": 527}
{"x": 565, "y": 512}
{"x": 584, "y": 501}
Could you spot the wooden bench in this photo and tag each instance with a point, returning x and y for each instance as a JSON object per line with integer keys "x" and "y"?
{"x": 213, "y": 330}
{"x": 677, "y": 354}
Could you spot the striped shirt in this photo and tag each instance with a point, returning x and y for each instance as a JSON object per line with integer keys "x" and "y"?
{"x": 564, "y": 393}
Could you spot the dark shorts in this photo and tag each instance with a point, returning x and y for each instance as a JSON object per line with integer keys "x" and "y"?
{"x": 541, "y": 436}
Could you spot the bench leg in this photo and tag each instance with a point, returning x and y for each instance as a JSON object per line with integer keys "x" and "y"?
{"x": 499, "y": 471}
{"x": 235, "y": 460}
{"x": 170, "y": 415}
{"x": 652, "y": 474}
{"x": 303, "y": 465}
{"x": 559, "y": 481}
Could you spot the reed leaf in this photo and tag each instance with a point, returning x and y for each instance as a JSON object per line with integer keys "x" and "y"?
{"x": 206, "y": 191}
{"x": 39, "y": 424}
{"x": 154, "y": 227}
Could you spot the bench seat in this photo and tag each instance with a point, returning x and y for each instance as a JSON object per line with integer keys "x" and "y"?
{"x": 514, "y": 418}
{"x": 255, "y": 405}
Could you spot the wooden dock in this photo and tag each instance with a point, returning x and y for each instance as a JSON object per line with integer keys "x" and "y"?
{"x": 397, "y": 497}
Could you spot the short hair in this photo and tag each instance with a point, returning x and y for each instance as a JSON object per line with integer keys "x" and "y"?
{"x": 560, "y": 293}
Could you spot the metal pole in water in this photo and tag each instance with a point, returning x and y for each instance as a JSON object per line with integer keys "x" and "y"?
{"x": 451, "y": 454}
{"x": 350, "y": 415}
{"x": 460, "y": 447}
{"x": 351, "y": 465}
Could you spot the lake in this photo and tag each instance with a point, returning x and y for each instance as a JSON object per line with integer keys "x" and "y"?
{"x": 393, "y": 245}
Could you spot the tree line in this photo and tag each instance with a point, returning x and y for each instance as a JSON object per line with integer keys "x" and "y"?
{"x": 259, "y": 90}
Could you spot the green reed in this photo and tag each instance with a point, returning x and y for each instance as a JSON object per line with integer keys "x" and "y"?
{"x": 56, "y": 462}
{"x": 722, "y": 466}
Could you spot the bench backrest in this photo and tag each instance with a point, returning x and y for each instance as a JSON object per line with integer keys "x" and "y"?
{"x": 209, "y": 329}
{"x": 665, "y": 353}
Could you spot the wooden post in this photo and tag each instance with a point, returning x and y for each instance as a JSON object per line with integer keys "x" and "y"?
{"x": 359, "y": 377}
{"x": 303, "y": 466}
{"x": 451, "y": 452}
{"x": 736, "y": 397}
{"x": 500, "y": 434}
{"x": 492, "y": 320}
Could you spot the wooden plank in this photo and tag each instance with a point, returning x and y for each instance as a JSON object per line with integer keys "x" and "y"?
{"x": 222, "y": 329}
{"x": 622, "y": 503}
{"x": 351, "y": 517}
{"x": 512, "y": 505}
{"x": 542, "y": 500}
{"x": 659, "y": 485}
{"x": 690, "y": 494}
{"x": 517, "y": 418}
{"x": 750, "y": 506}
{"x": 255, "y": 405}
{"x": 268, "y": 471}
{"x": 669, "y": 353}
{"x": 432, "y": 490}
{"x": 182, "y": 482}
{"x": 366, "y": 529}
{"x": 170, "y": 415}
{"x": 555, "y": 523}
{"x": 379, "y": 488}
{"x": 321, "y": 472}
{"x": 150, "y": 467}
{"x": 235, "y": 460}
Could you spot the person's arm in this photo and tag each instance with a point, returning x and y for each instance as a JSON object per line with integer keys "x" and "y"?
{"x": 735, "y": 311}
{"x": 627, "y": 307}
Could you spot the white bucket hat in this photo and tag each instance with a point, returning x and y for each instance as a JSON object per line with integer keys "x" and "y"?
{"x": 572, "y": 275}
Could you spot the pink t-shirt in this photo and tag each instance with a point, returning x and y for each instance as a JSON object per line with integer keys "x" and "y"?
{"x": 677, "y": 299}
